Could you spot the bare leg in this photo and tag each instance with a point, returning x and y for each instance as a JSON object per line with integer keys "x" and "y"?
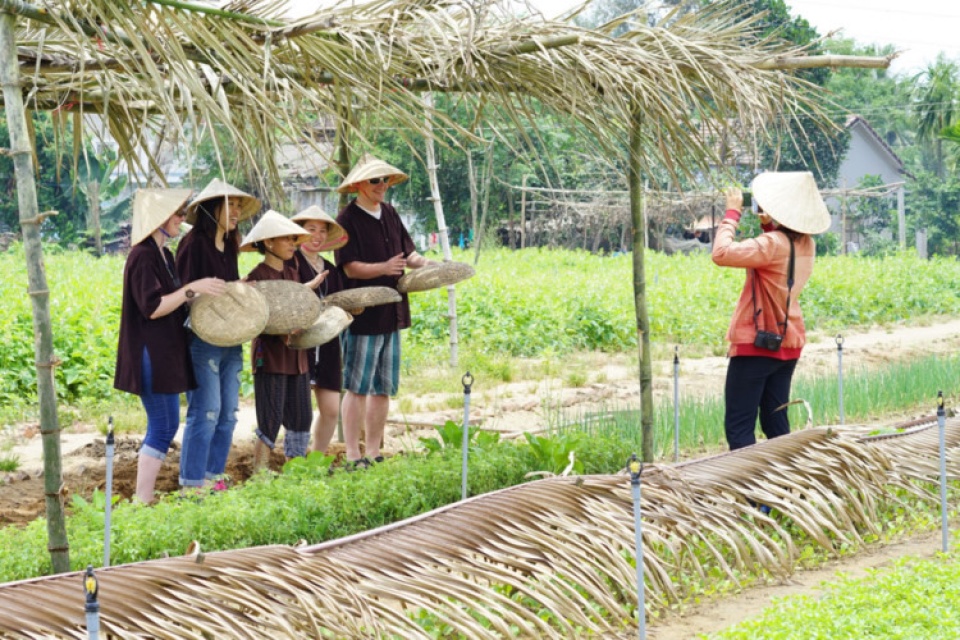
{"x": 328, "y": 408}
{"x": 148, "y": 468}
{"x": 261, "y": 456}
{"x": 377, "y": 409}
{"x": 354, "y": 412}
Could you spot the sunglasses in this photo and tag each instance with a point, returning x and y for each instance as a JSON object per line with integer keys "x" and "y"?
{"x": 379, "y": 180}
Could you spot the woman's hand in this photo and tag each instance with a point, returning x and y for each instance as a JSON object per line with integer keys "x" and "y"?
{"x": 734, "y": 199}
{"x": 208, "y": 286}
{"x": 318, "y": 280}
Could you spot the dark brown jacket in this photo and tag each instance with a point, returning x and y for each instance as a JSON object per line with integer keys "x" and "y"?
{"x": 269, "y": 353}
{"x": 148, "y": 276}
{"x": 373, "y": 241}
{"x": 198, "y": 257}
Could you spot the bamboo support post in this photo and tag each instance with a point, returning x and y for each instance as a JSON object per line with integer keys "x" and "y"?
{"x": 30, "y": 220}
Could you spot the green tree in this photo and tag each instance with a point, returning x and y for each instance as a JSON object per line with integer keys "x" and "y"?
{"x": 937, "y": 108}
{"x": 877, "y": 95}
{"x": 56, "y": 188}
{"x": 802, "y": 147}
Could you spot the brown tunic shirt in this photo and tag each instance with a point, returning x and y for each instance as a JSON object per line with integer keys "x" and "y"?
{"x": 326, "y": 356}
{"x": 372, "y": 241}
{"x": 270, "y": 354}
{"x": 147, "y": 277}
{"x": 198, "y": 257}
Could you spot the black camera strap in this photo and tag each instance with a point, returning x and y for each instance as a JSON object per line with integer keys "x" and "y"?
{"x": 753, "y": 283}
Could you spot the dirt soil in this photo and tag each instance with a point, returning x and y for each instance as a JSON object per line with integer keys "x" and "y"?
{"x": 511, "y": 408}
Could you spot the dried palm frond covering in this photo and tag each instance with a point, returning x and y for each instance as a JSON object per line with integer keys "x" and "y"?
{"x": 175, "y": 70}
{"x": 552, "y": 558}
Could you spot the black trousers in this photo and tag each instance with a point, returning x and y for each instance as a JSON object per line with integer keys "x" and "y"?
{"x": 756, "y": 384}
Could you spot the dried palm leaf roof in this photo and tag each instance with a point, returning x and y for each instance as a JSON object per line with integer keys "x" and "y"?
{"x": 259, "y": 75}
{"x": 491, "y": 566}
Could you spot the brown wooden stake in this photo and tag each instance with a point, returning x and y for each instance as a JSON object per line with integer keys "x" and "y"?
{"x": 640, "y": 287}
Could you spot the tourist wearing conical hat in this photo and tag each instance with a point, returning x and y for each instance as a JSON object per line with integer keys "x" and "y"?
{"x": 379, "y": 250}
{"x": 766, "y": 332}
{"x": 153, "y": 361}
{"x": 326, "y": 377}
{"x": 210, "y": 249}
{"x": 281, "y": 383}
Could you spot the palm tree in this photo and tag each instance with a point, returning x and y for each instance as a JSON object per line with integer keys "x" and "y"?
{"x": 937, "y": 107}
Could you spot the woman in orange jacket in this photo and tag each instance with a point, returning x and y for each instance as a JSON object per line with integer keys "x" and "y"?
{"x": 766, "y": 332}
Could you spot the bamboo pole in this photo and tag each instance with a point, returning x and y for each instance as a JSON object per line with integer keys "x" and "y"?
{"x": 640, "y": 286}
{"x": 46, "y": 361}
{"x": 441, "y": 228}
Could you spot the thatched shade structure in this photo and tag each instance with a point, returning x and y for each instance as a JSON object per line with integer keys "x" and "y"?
{"x": 175, "y": 68}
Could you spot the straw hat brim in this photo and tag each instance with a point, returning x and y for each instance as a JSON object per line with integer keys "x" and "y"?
{"x": 329, "y": 324}
{"x": 434, "y": 276}
{"x": 793, "y": 200}
{"x": 152, "y": 208}
{"x": 371, "y": 167}
{"x": 362, "y": 297}
{"x": 273, "y": 225}
{"x": 236, "y": 316}
{"x": 336, "y": 235}
{"x": 292, "y": 306}
{"x": 249, "y": 205}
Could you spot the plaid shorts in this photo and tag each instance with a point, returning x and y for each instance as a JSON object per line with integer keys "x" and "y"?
{"x": 371, "y": 364}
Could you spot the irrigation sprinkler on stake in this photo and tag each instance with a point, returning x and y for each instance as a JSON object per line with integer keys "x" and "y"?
{"x": 109, "y": 491}
{"x": 467, "y": 382}
{"x": 92, "y": 607}
{"x": 840, "y": 374}
{"x": 941, "y": 422}
{"x": 636, "y": 468}
{"x": 676, "y": 404}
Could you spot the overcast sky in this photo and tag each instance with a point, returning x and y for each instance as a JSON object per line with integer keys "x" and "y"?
{"x": 921, "y": 28}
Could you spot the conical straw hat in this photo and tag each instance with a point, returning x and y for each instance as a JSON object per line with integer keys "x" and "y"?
{"x": 330, "y": 323}
{"x": 153, "y": 207}
{"x": 370, "y": 167}
{"x": 792, "y": 199}
{"x": 336, "y": 235}
{"x": 434, "y": 276}
{"x": 237, "y": 315}
{"x": 249, "y": 205}
{"x": 273, "y": 225}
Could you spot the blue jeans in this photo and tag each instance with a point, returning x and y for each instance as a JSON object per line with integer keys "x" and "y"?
{"x": 163, "y": 413}
{"x": 211, "y": 411}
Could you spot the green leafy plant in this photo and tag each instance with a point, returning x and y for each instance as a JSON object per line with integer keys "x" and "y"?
{"x": 9, "y": 462}
{"x": 315, "y": 463}
{"x": 451, "y": 437}
{"x": 556, "y": 454}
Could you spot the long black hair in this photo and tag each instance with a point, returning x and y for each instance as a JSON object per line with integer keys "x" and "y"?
{"x": 206, "y": 222}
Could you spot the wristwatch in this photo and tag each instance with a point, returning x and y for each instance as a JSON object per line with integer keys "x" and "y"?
{"x": 190, "y": 293}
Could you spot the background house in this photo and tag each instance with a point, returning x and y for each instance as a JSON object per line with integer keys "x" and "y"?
{"x": 867, "y": 155}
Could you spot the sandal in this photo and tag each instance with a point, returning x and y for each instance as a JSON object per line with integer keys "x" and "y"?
{"x": 362, "y": 463}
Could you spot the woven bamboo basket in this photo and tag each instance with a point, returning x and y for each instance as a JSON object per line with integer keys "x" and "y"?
{"x": 434, "y": 276}
{"x": 292, "y": 306}
{"x": 237, "y": 315}
{"x": 331, "y": 322}
{"x": 362, "y": 297}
